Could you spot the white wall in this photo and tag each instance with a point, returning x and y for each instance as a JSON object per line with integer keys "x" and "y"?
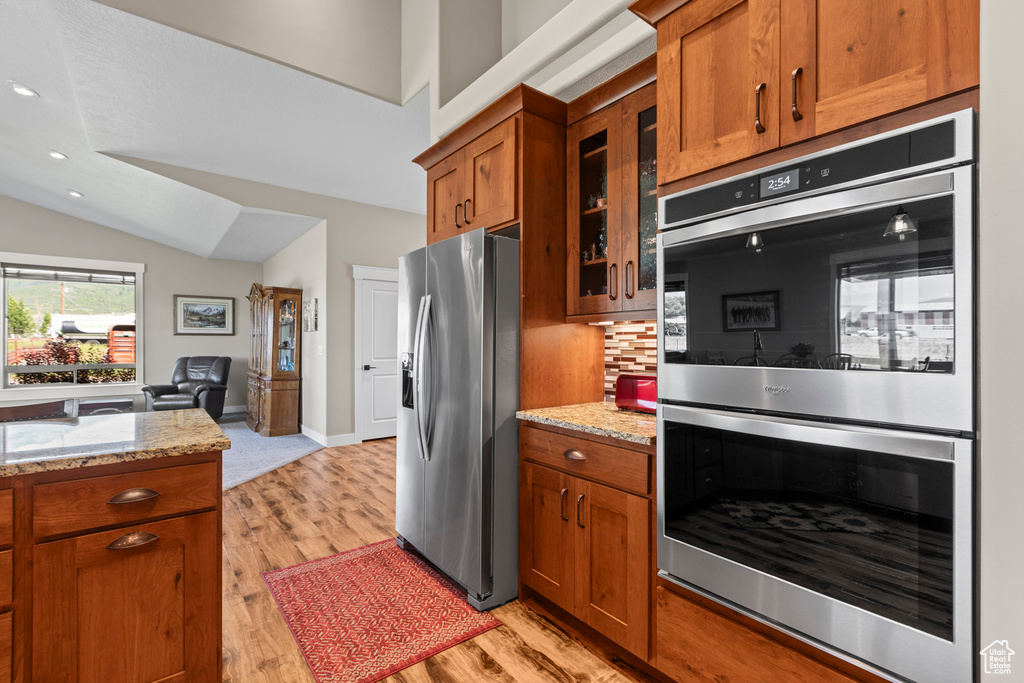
{"x": 355, "y": 42}
{"x": 301, "y": 265}
{"x": 419, "y": 45}
{"x": 469, "y": 43}
{"x": 29, "y": 229}
{"x": 1001, "y": 279}
{"x": 520, "y": 18}
{"x": 356, "y": 234}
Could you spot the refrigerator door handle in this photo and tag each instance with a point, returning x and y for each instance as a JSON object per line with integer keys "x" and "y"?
{"x": 417, "y": 367}
{"x": 421, "y": 334}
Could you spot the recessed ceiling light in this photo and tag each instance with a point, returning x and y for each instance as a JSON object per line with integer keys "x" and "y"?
{"x": 23, "y": 89}
{"x": 75, "y": 193}
{"x": 58, "y": 155}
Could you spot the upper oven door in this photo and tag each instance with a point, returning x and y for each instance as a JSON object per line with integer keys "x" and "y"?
{"x": 855, "y": 305}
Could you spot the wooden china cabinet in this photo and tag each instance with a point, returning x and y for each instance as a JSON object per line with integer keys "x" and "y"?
{"x": 613, "y": 205}
{"x": 274, "y": 379}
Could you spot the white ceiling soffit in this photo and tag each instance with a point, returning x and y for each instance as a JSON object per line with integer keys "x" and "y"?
{"x": 110, "y": 82}
{"x": 583, "y": 37}
{"x": 258, "y": 234}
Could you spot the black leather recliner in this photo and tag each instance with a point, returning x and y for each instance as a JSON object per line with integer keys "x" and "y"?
{"x": 198, "y": 382}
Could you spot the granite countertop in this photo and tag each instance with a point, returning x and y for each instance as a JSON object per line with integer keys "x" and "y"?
{"x": 43, "y": 445}
{"x": 603, "y": 419}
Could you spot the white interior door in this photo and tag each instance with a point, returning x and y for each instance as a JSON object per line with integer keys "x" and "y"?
{"x": 378, "y": 362}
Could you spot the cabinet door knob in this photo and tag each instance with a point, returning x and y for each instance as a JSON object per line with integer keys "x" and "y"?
{"x": 796, "y": 112}
{"x": 629, "y": 280}
{"x": 613, "y": 274}
{"x": 465, "y": 211}
{"x": 757, "y": 108}
{"x": 457, "y": 207}
{"x": 561, "y": 505}
{"x": 133, "y": 496}
{"x": 574, "y": 454}
{"x": 133, "y": 540}
{"x": 579, "y": 500}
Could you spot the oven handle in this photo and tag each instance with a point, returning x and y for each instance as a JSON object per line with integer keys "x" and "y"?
{"x": 921, "y": 446}
{"x": 810, "y": 208}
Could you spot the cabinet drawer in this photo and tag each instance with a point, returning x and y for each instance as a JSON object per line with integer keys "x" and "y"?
{"x": 6, "y": 578}
{"x": 68, "y": 506}
{"x": 6, "y": 517}
{"x": 618, "y": 467}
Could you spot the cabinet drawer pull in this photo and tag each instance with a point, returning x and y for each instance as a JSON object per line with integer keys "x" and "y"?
{"x": 629, "y": 280}
{"x": 133, "y": 540}
{"x": 133, "y": 496}
{"x": 796, "y": 112}
{"x": 757, "y": 108}
{"x": 574, "y": 454}
{"x": 561, "y": 505}
{"x": 578, "y": 501}
{"x": 457, "y": 207}
{"x": 465, "y": 211}
{"x": 613, "y": 278}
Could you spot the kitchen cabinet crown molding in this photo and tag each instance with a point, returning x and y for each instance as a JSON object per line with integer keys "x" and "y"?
{"x": 521, "y": 98}
{"x": 653, "y": 11}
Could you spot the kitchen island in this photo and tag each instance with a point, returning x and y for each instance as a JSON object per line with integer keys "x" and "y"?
{"x": 110, "y": 552}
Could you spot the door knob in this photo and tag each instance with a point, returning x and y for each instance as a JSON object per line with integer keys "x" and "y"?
{"x": 369, "y": 367}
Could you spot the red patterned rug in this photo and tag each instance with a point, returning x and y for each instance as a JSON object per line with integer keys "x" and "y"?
{"x": 364, "y": 614}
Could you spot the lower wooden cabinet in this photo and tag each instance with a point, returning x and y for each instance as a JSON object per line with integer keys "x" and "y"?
{"x": 585, "y": 546}
{"x": 131, "y": 604}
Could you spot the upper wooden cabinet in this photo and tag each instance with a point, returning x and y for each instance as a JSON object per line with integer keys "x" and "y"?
{"x": 742, "y": 77}
{"x": 474, "y": 187}
{"x": 612, "y": 207}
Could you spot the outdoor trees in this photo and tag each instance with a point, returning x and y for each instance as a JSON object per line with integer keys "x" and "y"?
{"x": 44, "y": 327}
{"x": 18, "y": 319}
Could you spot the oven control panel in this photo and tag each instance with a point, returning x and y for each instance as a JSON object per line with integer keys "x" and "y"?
{"x": 899, "y": 152}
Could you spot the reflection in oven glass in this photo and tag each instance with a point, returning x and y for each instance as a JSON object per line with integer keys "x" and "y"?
{"x": 870, "y": 529}
{"x": 845, "y": 294}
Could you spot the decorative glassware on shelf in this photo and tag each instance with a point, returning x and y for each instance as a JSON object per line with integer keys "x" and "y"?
{"x": 286, "y": 336}
{"x": 593, "y": 220}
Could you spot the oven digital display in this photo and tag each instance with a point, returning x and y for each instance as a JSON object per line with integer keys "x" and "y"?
{"x": 780, "y": 183}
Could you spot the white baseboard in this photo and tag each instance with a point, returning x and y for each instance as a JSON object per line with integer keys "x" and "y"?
{"x": 330, "y": 441}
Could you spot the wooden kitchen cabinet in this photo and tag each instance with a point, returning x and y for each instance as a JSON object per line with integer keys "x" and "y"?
{"x": 742, "y": 77}
{"x": 584, "y": 545}
{"x": 474, "y": 187}
{"x": 275, "y": 371}
{"x": 140, "y": 612}
{"x": 612, "y": 208}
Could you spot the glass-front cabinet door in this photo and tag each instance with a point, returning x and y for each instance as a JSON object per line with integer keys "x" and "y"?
{"x": 640, "y": 204}
{"x": 286, "y": 316}
{"x": 594, "y": 208}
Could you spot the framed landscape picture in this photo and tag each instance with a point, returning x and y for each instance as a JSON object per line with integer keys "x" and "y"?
{"x": 755, "y": 311}
{"x": 204, "y": 314}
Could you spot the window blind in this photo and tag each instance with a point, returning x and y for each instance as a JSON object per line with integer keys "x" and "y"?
{"x": 21, "y": 272}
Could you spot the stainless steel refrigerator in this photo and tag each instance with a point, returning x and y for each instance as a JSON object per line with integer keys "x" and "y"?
{"x": 457, "y": 475}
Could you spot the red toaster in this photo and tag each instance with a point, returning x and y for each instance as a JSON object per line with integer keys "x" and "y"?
{"x": 636, "y": 392}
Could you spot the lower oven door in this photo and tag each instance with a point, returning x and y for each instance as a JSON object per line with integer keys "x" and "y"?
{"x": 857, "y": 538}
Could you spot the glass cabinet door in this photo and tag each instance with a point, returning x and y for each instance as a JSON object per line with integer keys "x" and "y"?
{"x": 287, "y": 320}
{"x": 640, "y": 204}
{"x": 595, "y": 272}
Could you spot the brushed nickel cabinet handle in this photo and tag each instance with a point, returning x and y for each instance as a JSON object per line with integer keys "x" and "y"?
{"x": 574, "y": 454}
{"x": 629, "y": 280}
{"x": 133, "y": 496}
{"x": 465, "y": 211}
{"x": 561, "y": 505}
{"x": 578, "y": 501}
{"x": 133, "y": 540}
{"x": 613, "y": 274}
{"x": 457, "y": 207}
{"x": 757, "y": 108}
{"x": 796, "y": 112}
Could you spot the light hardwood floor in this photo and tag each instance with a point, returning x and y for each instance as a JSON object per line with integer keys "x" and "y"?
{"x": 343, "y": 498}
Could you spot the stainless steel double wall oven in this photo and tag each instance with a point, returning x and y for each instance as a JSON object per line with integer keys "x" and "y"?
{"x": 816, "y": 397}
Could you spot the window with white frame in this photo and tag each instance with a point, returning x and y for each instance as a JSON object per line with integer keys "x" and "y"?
{"x": 69, "y": 322}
